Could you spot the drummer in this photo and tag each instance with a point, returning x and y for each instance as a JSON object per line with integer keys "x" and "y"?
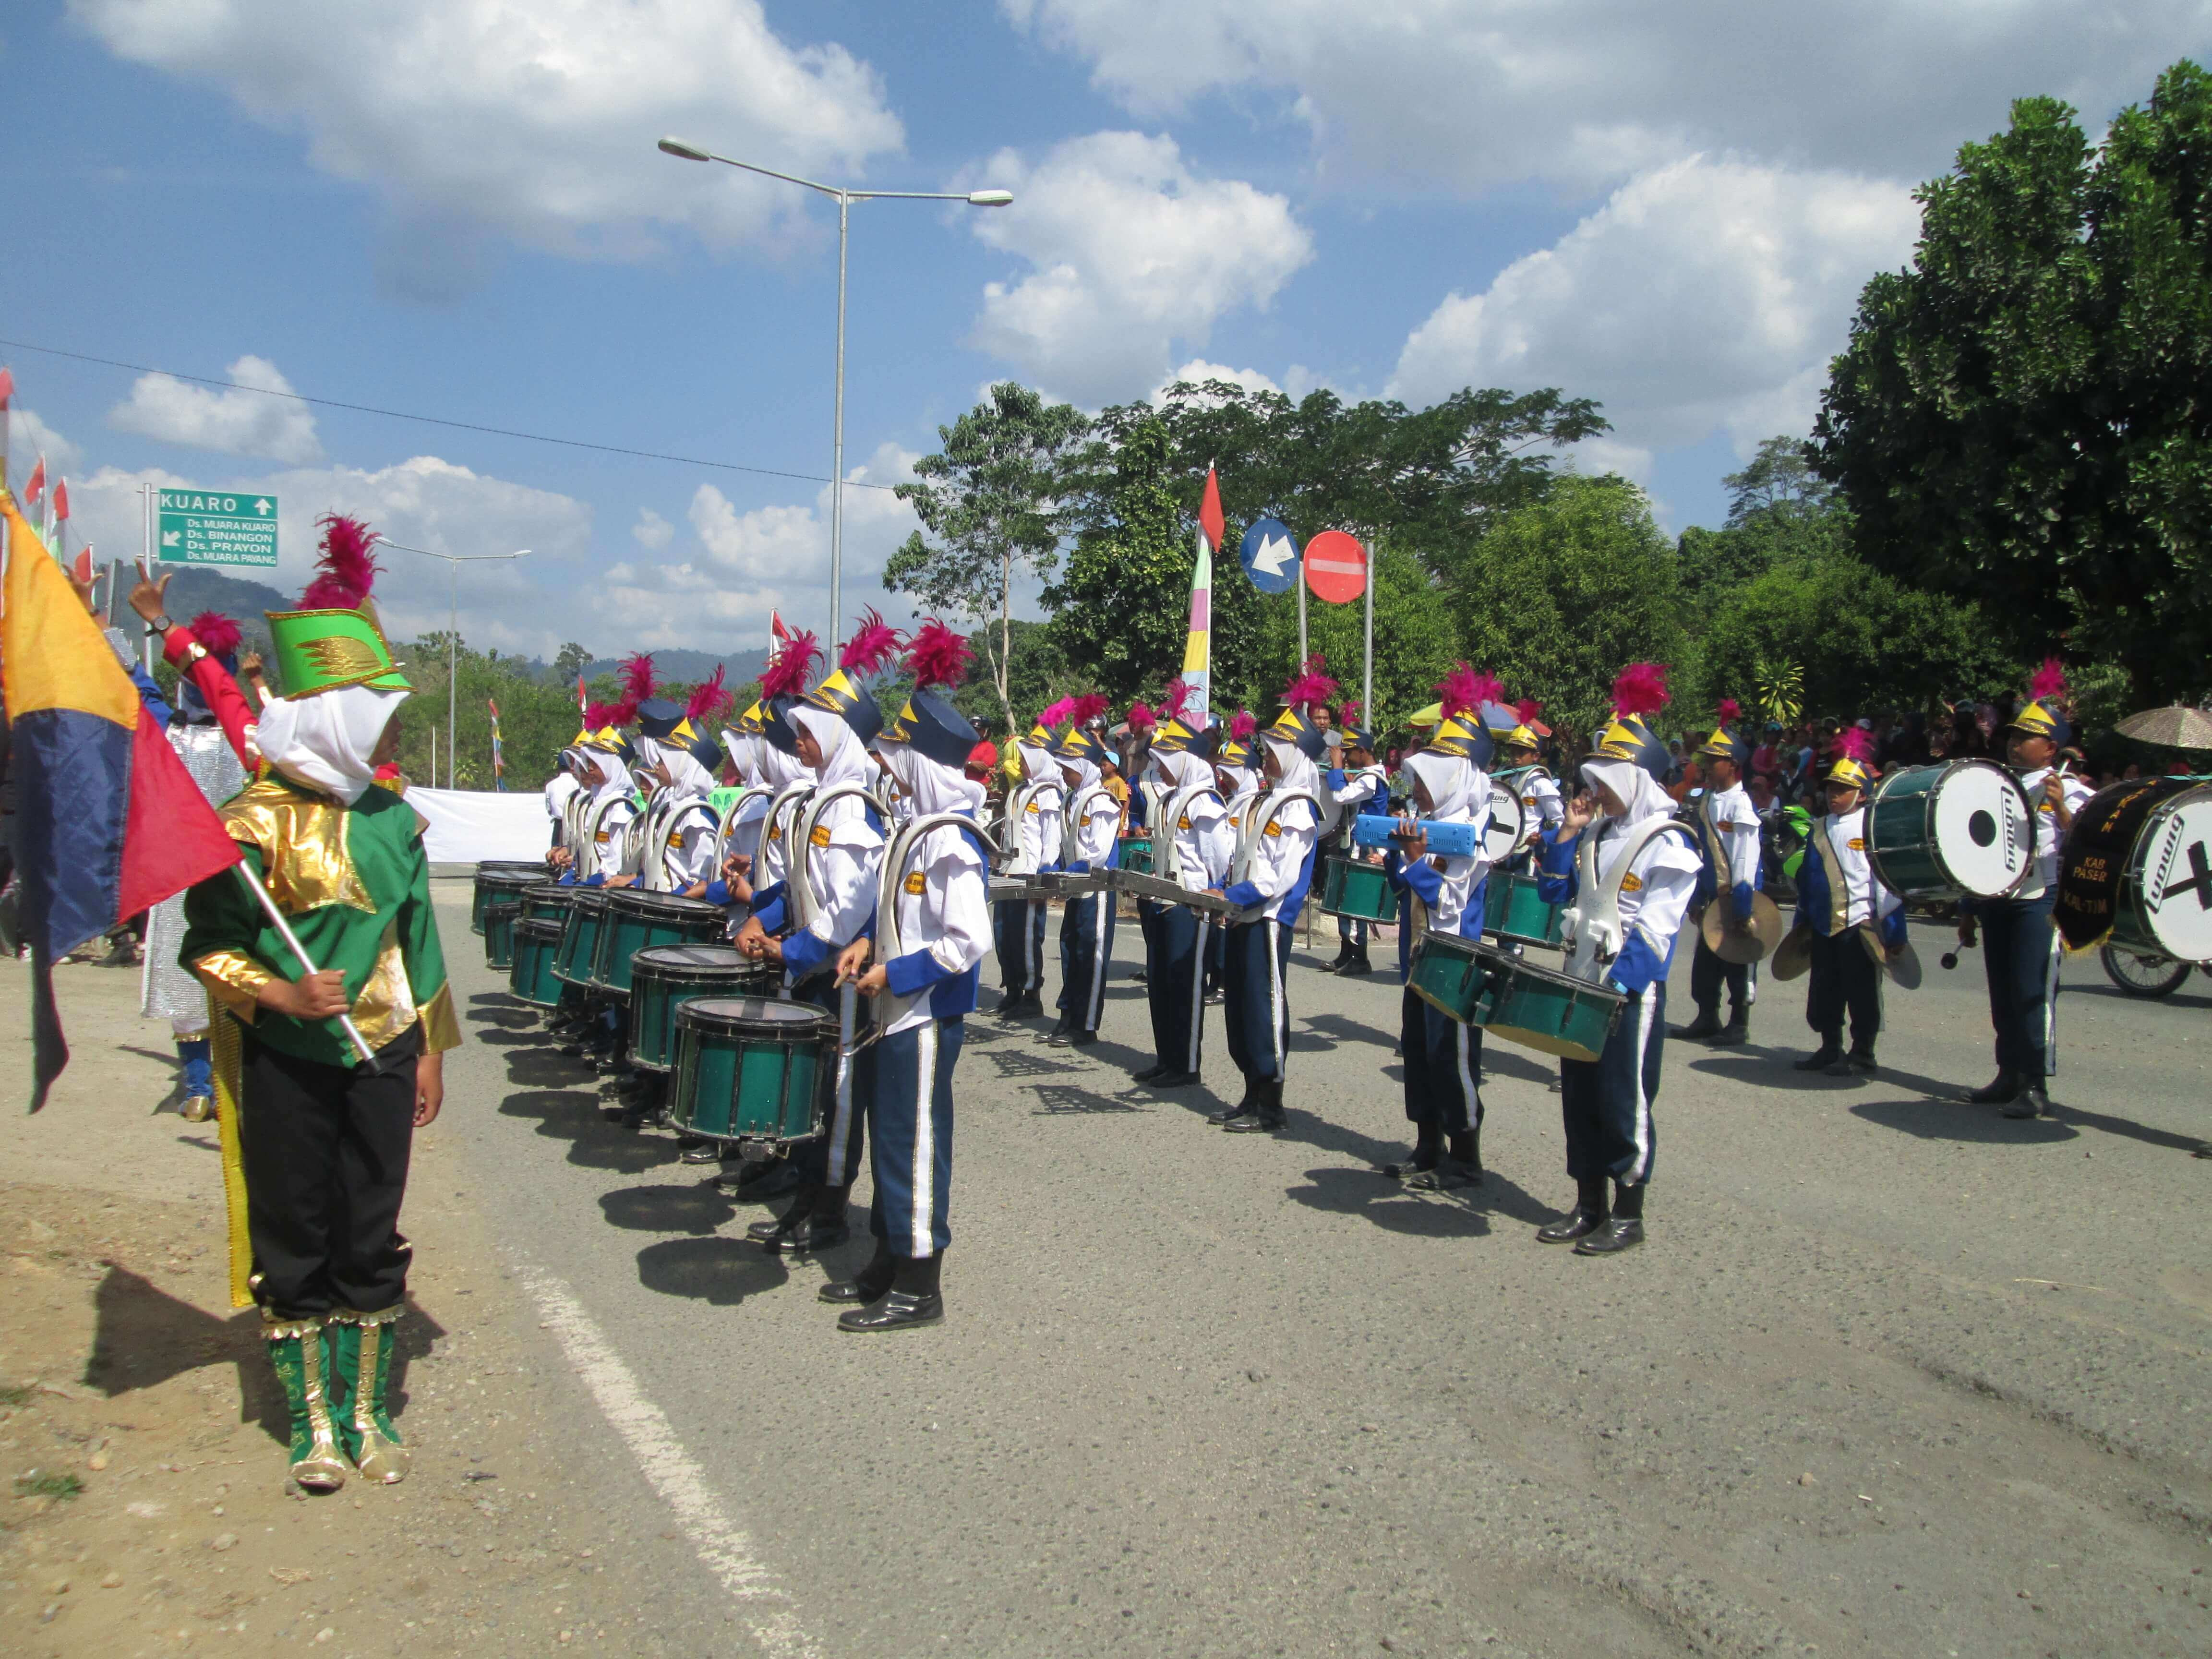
{"x": 1728, "y": 839}
{"x": 922, "y": 998}
{"x": 1090, "y": 840}
{"x": 1195, "y": 841}
{"x": 1267, "y": 884}
{"x": 1852, "y": 923}
{"x": 1032, "y": 846}
{"x": 831, "y": 726}
{"x": 1619, "y": 849}
{"x": 1443, "y": 1056}
{"x": 2020, "y": 941}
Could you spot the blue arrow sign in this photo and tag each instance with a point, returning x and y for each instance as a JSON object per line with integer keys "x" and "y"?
{"x": 1270, "y": 556}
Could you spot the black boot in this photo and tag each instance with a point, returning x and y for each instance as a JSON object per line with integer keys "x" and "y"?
{"x": 1998, "y": 1091}
{"x": 1737, "y": 1031}
{"x": 2031, "y": 1102}
{"x": 1428, "y": 1147}
{"x": 1242, "y": 1107}
{"x": 1152, "y": 1073}
{"x": 1587, "y": 1217}
{"x": 1461, "y": 1166}
{"x": 1266, "y": 1116}
{"x": 1821, "y": 1059}
{"x": 816, "y": 1221}
{"x": 914, "y": 1298}
{"x": 1358, "y": 965}
{"x": 1343, "y": 956}
{"x": 1706, "y": 1024}
{"x": 1624, "y": 1232}
{"x": 864, "y": 1286}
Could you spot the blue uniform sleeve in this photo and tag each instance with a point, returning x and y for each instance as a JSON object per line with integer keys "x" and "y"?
{"x": 1244, "y": 896}
{"x": 598, "y": 880}
{"x": 1637, "y": 964}
{"x": 771, "y": 916}
{"x": 914, "y": 971}
{"x": 1739, "y": 895}
{"x": 803, "y": 953}
{"x": 1423, "y": 877}
{"x": 1892, "y": 928}
{"x": 718, "y": 892}
{"x": 1556, "y": 879}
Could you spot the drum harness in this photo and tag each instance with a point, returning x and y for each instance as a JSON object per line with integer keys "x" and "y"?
{"x": 1592, "y": 924}
{"x": 776, "y": 829}
{"x": 746, "y": 794}
{"x": 1071, "y": 820}
{"x": 1018, "y": 808}
{"x": 891, "y": 874}
{"x": 1266, "y": 808}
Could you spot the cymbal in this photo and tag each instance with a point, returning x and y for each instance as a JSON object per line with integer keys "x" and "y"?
{"x": 1750, "y": 940}
{"x": 1793, "y": 955}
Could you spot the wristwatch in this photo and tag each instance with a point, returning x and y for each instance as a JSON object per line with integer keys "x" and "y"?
{"x": 160, "y": 624}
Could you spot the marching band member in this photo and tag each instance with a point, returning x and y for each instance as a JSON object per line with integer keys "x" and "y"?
{"x": 1850, "y": 919}
{"x": 1518, "y": 759}
{"x": 1358, "y": 785}
{"x": 934, "y": 892}
{"x": 1192, "y": 844}
{"x": 1091, "y": 840}
{"x": 1627, "y": 867}
{"x": 1268, "y": 885}
{"x": 1033, "y": 844}
{"x": 1443, "y": 1055}
{"x": 687, "y": 828}
{"x": 1728, "y": 838}
{"x": 2020, "y": 941}
{"x": 836, "y": 845}
{"x": 1236, "y": 774}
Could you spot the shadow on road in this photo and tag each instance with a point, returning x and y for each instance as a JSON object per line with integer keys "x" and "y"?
{"x": 1057, "y": 1099}
{"x": 720, "y": 1272}
{"x": 1464, "y": 1212}
{"x": 1956, "y": 1120}
{"x": 594, "y": 1142}
{"x": 697, "y": 1208}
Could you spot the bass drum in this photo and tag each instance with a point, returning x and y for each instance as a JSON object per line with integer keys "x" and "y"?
{"x": 1963, "y": 827}
{"x": 1508, "y": 831}
{"x": 2166, "y": 890}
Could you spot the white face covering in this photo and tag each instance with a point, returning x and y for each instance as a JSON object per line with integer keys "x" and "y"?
{"x": 932, "y": 785}
{"x": 1449, "y": 782}
{"x": 843, "y": 759}
{"x": 324, "y": 740}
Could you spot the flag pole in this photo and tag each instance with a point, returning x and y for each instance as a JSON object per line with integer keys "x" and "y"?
{"x": 1301, "y": 667}
{"x": 306, "y": 964}
{"x": 1367, "y": 679}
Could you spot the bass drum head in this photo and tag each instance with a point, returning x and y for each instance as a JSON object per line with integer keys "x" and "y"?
{"x": 1502, "y": 836}
{"x": 2174, "y": 889}
{"x": 1984, "y": 833}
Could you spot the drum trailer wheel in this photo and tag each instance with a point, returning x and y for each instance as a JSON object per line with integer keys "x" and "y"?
{"x": 2141, "y": 975}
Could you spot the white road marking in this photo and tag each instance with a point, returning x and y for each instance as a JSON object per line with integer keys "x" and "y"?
{"x": 722, "y": 1545}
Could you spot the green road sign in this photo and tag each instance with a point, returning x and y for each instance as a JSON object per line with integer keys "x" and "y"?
{"x": 208, "y": 527}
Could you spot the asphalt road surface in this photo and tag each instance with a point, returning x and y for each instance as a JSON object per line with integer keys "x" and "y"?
{"x": 1892, "y": 1375}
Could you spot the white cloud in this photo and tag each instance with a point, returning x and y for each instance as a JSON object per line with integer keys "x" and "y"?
{"x": 1131, "y": 254}
{"x": 1473, "y": 93}
{"x": 30, "y": 437}
{"x": 1705, "y": 293}
{"x": 242, "y": 422}
{"x": 1197, "y": 372}
{"x": 652, "y": 531}
{"x": 535, "y": 122}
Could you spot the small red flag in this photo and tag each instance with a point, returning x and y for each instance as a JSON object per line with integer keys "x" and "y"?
{"x": 777, "y": 630}
{"x": 1209, "y": 512}
{"x": 37, "y": 486}
{"x": 7, "y": 387}
{"x": 80, "y": 567}
{"x": 583, "y": 697}
{"x": 61, "y": 500}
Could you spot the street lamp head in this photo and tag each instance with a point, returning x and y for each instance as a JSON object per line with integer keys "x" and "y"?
{"x": 990, "y": 198}
{"x": 677, "y": 148}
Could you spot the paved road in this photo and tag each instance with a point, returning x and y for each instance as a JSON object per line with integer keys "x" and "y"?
{"x": 1892, "y": 1375}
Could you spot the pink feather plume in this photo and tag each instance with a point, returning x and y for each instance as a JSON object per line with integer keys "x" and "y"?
{"x": 1140, "y": 718}
{"x": 639, "y": 680}
{"x": 873, "y": 644}
{"x": 708, "y": 698}
{"x": 2049, "y": 680}
{"x": 1527, "y": 708}
{"x": 1175, "y": 701}
{"x": 346, "y": 568}
{"x": 1855, "y": 743}
{"x": 1088, "y": 708}
{"x": 1456, "y": 691}
{"x": 1730, "y": 709}
{"x": 787, "y": 674}
{"x": 598, "y": 715}
{"x": 1059, "y": 713}
{"x": 1350, "y": 709}
{"x": 216, "y": 631}
{"x": 1242, "y": 725}
{"x": 938, "y": 656}
{"x": 1488, "y": 688}
{"x": 1310, "y": 686}
{"x": 1640, "y": 689}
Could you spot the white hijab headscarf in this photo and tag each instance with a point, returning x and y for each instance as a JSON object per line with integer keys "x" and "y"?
{"x": 1037, "y": 764}
{"x": 1181, "y": 769}
{"x": 324, "y": 741}
{"x": 1449, "y": 781}
{"x": 843, "y": 759}
{"x": 613, "y": 782}
{"x": 1639, "y": 791}
{"x": 1298, "y": 771}
{"x": 932, "y": 785}
{"x": 687, "y": 778}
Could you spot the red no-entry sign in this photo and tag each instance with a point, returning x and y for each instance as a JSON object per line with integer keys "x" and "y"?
{"x": 1336, "y": 567}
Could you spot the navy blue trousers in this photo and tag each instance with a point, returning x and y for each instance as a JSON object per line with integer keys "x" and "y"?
{"x": 1175, "y": 987}
{"x": 1017, "y": 929}
{"x": 1709, "y": 976}
{"x": 2019, "y": 955}
{"x": 1254, "y": 998}
{"x": 1443, "y": 1066}
{"x": 833, "y": 1158}
{"x": 1606, "y": 1103}
{"x": 1843, "y": 980}
{"x": 1086, "y": 947}
{"x": 1217, "y": 954}
{"x": 910, "y": 1112}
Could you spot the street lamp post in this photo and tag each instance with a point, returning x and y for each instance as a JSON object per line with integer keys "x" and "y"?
{"x": 453, "y": 561}
{"x": 844, "y": 198}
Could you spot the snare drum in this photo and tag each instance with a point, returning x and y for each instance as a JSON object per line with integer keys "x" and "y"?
{"x": 580, "y": 934}
{"x": 1963, "y": 827}
{"x": 1509, "y": 997}
{"x": 750, "y": 1069}
{"x": 1516, "y": 913}
{"x": 500, "y": 917}
{"x": 1363, "y": 891}
{"x": 637, "y": 920}
{"x": 545, "y": 901}
{"x": 1450, "y": 973}
{"x": 665, "y": 977}
{"x": 1137, "y": 854}
{"x": 500, "y": 878}
{"x": 537, "y": 942}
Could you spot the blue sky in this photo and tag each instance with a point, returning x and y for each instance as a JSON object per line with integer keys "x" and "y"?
{"x": 455, "y": 207}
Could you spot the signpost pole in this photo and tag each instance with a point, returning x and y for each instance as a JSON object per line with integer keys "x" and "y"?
{"x": 146, "y": 557}
{"x": 1301, "y": 667}
{"x": 1367, "y": 679}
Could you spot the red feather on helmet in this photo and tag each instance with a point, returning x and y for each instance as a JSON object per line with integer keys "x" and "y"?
{"x": 1242, "y": 725}
{"x": 1174, "y": 700}
{"x": 639, "y": 679}
{"x": 2049, "y": 680}
{"x": 346, "y": 568}
{"x": 788, "y": 671}
{"x": 1728, "y": 710}
{"x": 1140, "y": 718}
{"x": 938, "y": 656}
{"x": 1527, "y": 708}
{"x": 708, "y": 698}
{"x": 1855, "y": 743}
{"x": 216, "y": 631}
{"x": 1088, "y": 708}
{"x": 1458, "y": 691}
{"x": 1640, "y": 688}
{"x": 873, "y": 644}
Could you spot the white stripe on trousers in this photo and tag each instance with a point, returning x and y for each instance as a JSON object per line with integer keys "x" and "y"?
{"x": 2050, "y": 1004}
{"x": 1033, "y": 947}
{"x": 1198, "y": 992}
{"x": 1098, "y": 914}
{"x": 841, "y": 1119}
{"x": 1645, "y": 1003}
{"x": 1275, "y": 998}
{"x": 1463, "y": 1054}
{"x": 923, "y": 1223}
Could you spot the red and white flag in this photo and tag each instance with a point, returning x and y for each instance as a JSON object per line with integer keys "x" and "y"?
{"x": 82, "y": 569}
{"x": 778, "y": 633}
{"x": 61, "y": 501}
{"x": 1209, "y": 512}
{"x": 37, "y": 486}
{"x": 7, "y": 389}
{"x": 583, "y": 697}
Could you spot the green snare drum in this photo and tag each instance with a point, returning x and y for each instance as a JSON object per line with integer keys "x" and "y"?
{"x": 500, "y": 917}
{"x": 1137, "y": 854}
{"x": 750, "y": 1069}
{"x": 1554, "y": 1012}
{"x": 503, "y": 878}
{"x": 1363, "y": 891}
{"x": 1961, "y": 827}
{"x": 537, "y": 941}
{"x": 545, "y": 901}
{"x": 637, "y": 920}
{"x": 580, "y": 935}
{"x": 1516, "y": 913}
{"x": 664, "y": 977}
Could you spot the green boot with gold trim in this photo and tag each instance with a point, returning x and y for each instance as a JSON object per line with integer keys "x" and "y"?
{"x": 299, "y": 1351}
{"x": 361, "y": 1363}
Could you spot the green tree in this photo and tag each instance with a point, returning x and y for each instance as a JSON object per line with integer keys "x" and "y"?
{"x": 989, "y": 506}
{"x": 1120, "y": 609}
{"x": 1779, "y": 509}
{"x": 2021, "y": 418}
{"x": 573, "y": 660}
{"x": 1558, "y": 595}
{"x": 1415, "y": 642}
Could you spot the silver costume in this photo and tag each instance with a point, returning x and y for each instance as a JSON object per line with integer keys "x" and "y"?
{"x": 168, "y": 990}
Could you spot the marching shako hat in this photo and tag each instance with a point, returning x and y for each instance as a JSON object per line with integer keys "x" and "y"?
{"x": 1177, "y": 738}
{"x": 334, "y": 639}
{"x": 1292, "y": 727}
{"x": 775, "y": 727}
{"x": 658, "y": 718}
{"x": 872, "y": 645}
{"x": 2044, "y": 716}
{"x": 1464, "y": 739}
{"x": 930, "y": 726}
{"x": 1626, "y": 737}
{"x": 1724, "y": 743}
{"x": 1854, "y": 762}
{"x": 1079, "y": 744}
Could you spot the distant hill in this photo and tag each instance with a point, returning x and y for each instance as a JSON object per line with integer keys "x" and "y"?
{"x": 689, "y": 667}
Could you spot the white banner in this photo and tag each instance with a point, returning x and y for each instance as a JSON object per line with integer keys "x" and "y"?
{"x": 468, "y": 826}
